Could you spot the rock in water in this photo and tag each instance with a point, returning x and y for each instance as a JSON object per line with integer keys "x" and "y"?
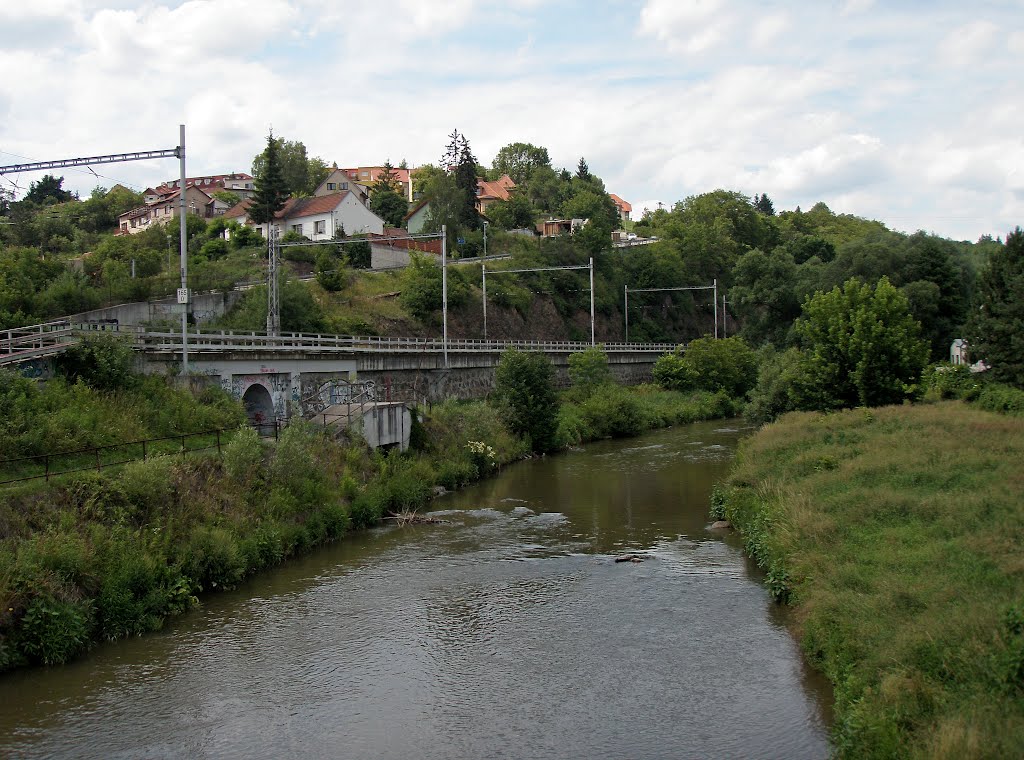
{"x": 720, "y": 525}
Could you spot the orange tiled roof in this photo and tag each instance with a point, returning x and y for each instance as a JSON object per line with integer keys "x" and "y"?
{"x": 497, "y": 189}
{"x": 623, "y": 205}
{"x": 294, "y": 208}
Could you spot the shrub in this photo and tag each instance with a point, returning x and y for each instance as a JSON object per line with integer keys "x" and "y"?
{"x": 588, "y": 369}
{"x": 525, "y": 387}
{"x": 243, "y": 456}
{"x": 101, "y": 361}
{"x": 997, "y": 397}
{"x": 54, "y": 630}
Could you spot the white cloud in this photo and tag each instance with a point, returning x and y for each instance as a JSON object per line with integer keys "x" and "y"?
{"x": 676, "y": 98}
{"x": 688, "y": 26}
{"x": 968, "y": 43}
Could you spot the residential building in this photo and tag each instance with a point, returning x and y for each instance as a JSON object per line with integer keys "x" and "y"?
{"x": 162, "y": 207}
{"x": 417, "y": 216}
{"x": 487, "y": 193}
{"x": 339, "y": 181}
{"x": 368, "y": 175}
{"x": 317, "y": 217}
{"x": 625, "y": 209}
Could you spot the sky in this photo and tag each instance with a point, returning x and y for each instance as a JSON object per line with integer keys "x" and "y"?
{"x": 906, "y": 112}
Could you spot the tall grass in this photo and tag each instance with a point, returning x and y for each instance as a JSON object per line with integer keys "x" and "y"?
{"x": 895, "y": 534}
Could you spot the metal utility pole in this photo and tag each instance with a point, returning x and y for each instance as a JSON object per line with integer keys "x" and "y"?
{"x": 592, "y": 301}
{"x": 713, "y": 286}
{"x": 139, "y": 155}
{"x": 589, "y": 266}
{"x": 444, "y": 291}
{"x": 484, "y": 269}
{"x": 183, "y": 294}
{"x": 273, "y": 292}
{"x": 715, "y": 304}
{"x": 485, "y": 240}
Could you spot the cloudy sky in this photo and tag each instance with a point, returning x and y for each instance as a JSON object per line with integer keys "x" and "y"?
{"x": 907, "y": 112}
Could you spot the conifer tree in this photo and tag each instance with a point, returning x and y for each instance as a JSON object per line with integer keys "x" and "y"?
{"x": 270, "y": 191}
{"x": 582, "y": 170}
{"x": 997, "y": 330}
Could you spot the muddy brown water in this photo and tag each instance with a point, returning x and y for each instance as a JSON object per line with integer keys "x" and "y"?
{"x": 507, "y": 631}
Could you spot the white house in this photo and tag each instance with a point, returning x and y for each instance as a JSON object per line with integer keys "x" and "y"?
{"x": 318, "y": 217}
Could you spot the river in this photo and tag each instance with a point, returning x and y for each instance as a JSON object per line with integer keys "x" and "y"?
{"x": 507, "y": 631}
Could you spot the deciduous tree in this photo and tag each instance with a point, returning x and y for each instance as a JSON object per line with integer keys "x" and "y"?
{"x": 997, "y": 327}
{"x": 526, "y": 390}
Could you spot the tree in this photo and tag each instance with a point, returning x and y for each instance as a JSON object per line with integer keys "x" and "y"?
{"x": 270, "y": 189}
{"x": 709, "y": 364}
{"x": 582, "y": 170}
{"x": 48, "y": 191}
{"x": 300, "y": 174}
{"x": 997, "y": 328}
{"x": 385, "y": 199}
{"x": 764, "y": 204}
{"x": 588, "y": 369}
{"x": 518, "y": 160}
{"x": 515, "y": 213}
{"x": 103, "y": 362}
{"x": 466, "y": 184}
{"x": 861, "y": 345}
{"x": 764, "y": 297}
{"x": 526, "y": 391}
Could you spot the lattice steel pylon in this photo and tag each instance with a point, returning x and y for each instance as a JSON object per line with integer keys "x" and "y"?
{"x": 273, "y": 292}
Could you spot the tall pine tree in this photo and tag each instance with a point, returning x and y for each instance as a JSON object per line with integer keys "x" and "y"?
{"x": 270, "y": 190}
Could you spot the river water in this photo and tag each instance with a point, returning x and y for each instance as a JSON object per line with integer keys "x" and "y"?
{"x": 508, "y": 631}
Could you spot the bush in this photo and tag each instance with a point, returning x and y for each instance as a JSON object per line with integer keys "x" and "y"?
{"x": 243, "y": 456}
{"x": 997, "y": 397}
{"x": 54, "y": 630}
{"x": 588, "y": 369}
{"x": 102, "y": 361}
{"x": 709, "y": 364}
{"x": 525, "y": 386}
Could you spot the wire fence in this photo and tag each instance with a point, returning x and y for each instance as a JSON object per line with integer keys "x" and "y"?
{"x": 98, "y": 458}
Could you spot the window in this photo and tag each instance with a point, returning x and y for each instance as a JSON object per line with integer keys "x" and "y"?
{"x": 343, "y": 186}
{"x": 330, "y": 185}
{"x": 297, "y": 228}
{"x": 319, "y": 228}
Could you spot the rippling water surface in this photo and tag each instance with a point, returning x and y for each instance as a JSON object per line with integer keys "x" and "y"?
{"x": 506, "y": 631}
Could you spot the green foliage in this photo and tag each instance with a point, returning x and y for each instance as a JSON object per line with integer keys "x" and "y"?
{"x": 878, "y": 527}
{"x": 524, "y": 383}
{"x": 588, "y": 369}
{"x": 330, "y": 271}
{"x": 709, "y": 364}
{"x": 997, "y": 329}
{"x": 519, "y": 160}
{"x": 299, "y": 174}
{"x": 48, "y": 190}
{"x": 862, "y": 347}
{"x": 243, "y": 457}
{"x": 269, "y": 184}
{"x": 102, "y": 361}
{"x": 52, "y": 631}
{"x": 777, "y": 380}
{"x": 422, "y": 287}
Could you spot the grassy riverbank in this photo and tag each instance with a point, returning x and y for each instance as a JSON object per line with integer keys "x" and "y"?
{"x": 896, "y": 534}
{"x": 103, "y": 555}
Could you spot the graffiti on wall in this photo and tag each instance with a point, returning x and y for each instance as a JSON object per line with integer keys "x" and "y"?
{"x": 337, "y": 392}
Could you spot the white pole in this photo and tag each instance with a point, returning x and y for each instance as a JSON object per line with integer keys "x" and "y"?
{"x": 444, "y": 291}
{"x": 184, "y": 254}
{"x": 485, "y": 240}
{"x": 715, "y": 304}
{"x": 485, "y": 296}
{"x": 592, "y": 301}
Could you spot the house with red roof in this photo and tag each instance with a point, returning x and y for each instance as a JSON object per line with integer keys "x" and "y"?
{"x": 164, "y": 206}
{"x": 488, "y": 193}
{"x": 317, "y": 217}
{"x": 367, "y": 176}
{"x": 625, "y": 209}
